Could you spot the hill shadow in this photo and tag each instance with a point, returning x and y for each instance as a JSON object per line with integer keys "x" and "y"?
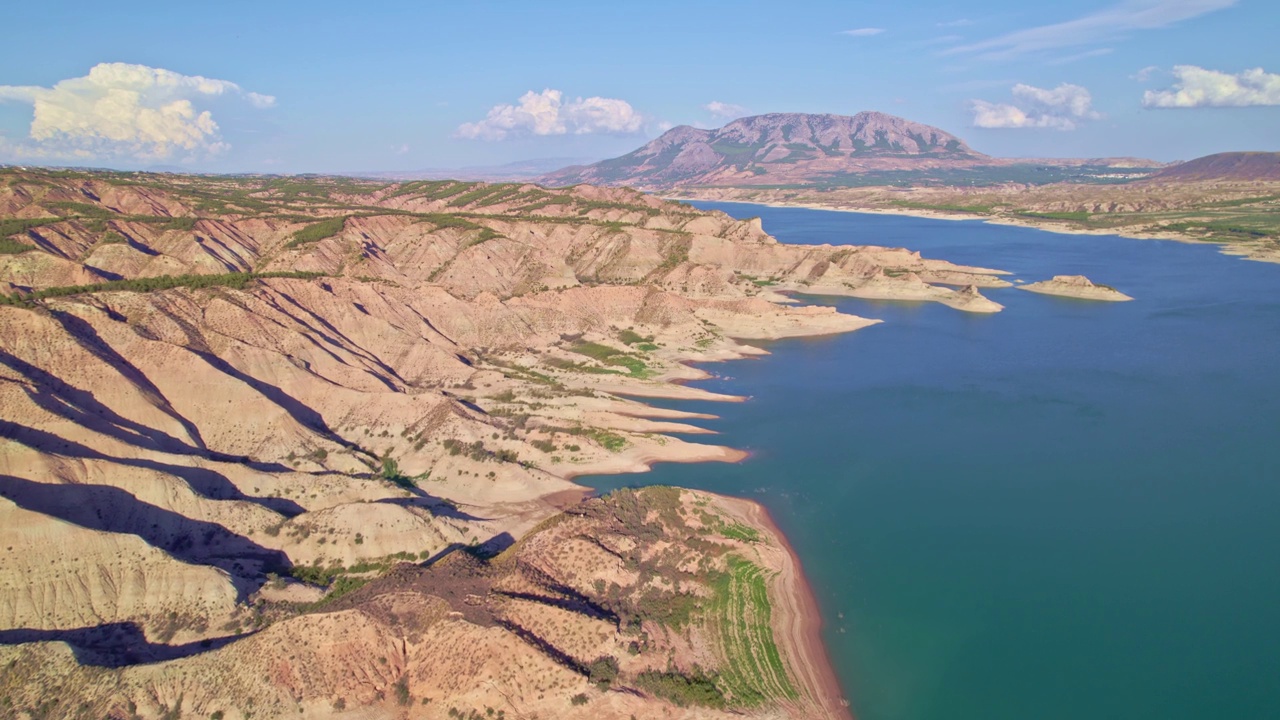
{"x": 115, "y": 645}
{"x": 437, "y": 506}
{"x": 110, "y": 509}
{"x": 93, "y": 343}
{"x": 205, "y": 482}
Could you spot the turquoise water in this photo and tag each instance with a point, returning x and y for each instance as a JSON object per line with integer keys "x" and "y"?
{"x": 1065, "y": 510}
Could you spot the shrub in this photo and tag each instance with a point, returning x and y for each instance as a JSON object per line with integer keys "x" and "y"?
{"x": 603, "y": 671}
{"x": 695, "y": 688}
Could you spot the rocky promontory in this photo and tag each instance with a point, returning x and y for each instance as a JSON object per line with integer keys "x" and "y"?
{"x": 1076, "y": 286}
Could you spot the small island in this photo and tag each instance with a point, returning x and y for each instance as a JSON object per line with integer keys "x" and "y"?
{"x": 1076, "y": 286}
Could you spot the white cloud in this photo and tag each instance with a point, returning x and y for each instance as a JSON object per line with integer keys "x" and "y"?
{"x": 862, "y": 32}
{"x": 1145, "y": 73}
{"x": 1197, "y": 87}
{"x": 547, "y": 113}
{"x": 724, "y": 110}
{"x": 1099, "y": 26}
{"x": 1062, "y": 108}
{"x": 120, "y": 110}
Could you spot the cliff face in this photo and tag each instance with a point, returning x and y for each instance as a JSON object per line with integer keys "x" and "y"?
{"x": 225, "y": 400}
{"x": 778, "y": 145}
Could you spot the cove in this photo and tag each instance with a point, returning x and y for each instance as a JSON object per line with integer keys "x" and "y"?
{"x": 1067, "y": 509}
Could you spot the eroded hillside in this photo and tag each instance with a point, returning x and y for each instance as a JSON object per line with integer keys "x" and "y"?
{"x": 229, "y": 403}
{"x": 656, "y": 603}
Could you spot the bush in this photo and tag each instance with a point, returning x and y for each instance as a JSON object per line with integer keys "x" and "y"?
{"x": 695, "y": 688}
{"x": 603, "y": 671}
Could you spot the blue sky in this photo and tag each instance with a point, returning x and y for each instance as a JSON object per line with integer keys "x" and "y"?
{"x": 333, "y": 87}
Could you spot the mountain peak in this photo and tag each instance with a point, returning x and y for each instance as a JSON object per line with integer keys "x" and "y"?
{"x": 782, "y": 146}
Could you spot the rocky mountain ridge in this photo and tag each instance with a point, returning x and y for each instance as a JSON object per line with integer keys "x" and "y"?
{"x": 791, "y": 148}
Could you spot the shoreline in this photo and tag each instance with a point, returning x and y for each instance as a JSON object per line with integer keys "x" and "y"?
{"x": 1245, "y": 252}
{"x": 798, "y": 620}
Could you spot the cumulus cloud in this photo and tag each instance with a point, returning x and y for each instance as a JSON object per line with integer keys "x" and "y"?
{"x": 1100, "y": 26}
{"x": 120, "y": 110}
{"x": 548, "y": 113}
{"x": 862, "y": 32}
{"x": 724, "y": 110}
{"x": 1195, "y": 87}
{"x": 1062, "y": 108}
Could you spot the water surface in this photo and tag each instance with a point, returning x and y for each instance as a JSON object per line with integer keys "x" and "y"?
{"x": 1064, "y": 510}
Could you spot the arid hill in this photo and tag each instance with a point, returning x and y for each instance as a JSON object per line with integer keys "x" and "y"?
{"x": 228, "y": 403}
{"x": 653, "y": 603}
{"x": 1229, "y": 166}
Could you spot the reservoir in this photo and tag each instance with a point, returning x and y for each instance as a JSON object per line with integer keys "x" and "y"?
{"x": 1067, "y": 509}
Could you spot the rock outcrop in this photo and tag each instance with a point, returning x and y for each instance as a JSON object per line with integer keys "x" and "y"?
{"x": 1076, "y": 286}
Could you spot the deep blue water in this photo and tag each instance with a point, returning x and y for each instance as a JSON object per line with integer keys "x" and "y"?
{"x": 1064, "y": 510}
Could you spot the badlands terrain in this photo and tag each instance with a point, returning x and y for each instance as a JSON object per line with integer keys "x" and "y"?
{"x": 282, "y": 447}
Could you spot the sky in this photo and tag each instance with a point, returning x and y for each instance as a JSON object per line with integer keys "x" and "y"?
{"x": 381, "y": 86}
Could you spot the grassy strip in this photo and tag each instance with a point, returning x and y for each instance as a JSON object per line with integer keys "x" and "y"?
{"x": 316, "y": 232}
{"x": 152, "y": 284}
{"x": 753, "y": 670}
{"x": 611, "y": 356}
{"x": 974, "y": 209}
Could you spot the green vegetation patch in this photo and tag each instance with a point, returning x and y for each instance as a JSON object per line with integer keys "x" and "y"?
{"x": 611, "y": 441}
{"x": 13, "y": 226}
{"x": 318, "y": 231}
{"x": 684, "y": 689}
{"x": 631, "y": 337}
{"x": 753, "y": 671}
{"x": 236, "y": 281}
{"x": 636, "y": 367}
{"x": 738, "y": 531}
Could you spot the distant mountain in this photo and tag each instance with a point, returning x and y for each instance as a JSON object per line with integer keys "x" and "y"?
{"x": 781, "y": 146}
{"x": 512, "y": 171}
{"x": 1223, "y": 166}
